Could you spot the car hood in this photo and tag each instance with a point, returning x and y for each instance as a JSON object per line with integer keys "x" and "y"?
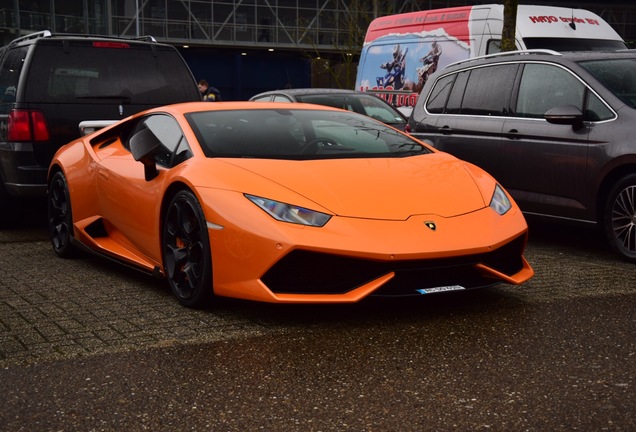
{"x": 375, "y": 188}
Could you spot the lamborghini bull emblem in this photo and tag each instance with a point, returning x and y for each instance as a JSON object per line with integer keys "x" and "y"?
{"x": 430, "y": 225}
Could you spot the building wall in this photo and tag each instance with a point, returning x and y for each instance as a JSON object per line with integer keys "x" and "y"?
{"x": 229, "y": 41}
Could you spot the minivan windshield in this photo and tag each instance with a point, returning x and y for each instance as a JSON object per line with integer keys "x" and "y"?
{"x": 573, "y": 44}
{"x": 298, "y": 134}
{"x": 127, "y": 74}
{"x": 618, "y": 75}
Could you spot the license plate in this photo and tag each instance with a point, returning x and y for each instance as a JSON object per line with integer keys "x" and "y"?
{"x": 440, "y": 289}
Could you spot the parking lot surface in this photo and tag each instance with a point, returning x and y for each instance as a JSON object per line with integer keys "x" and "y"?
{"x": 86, "y": 344}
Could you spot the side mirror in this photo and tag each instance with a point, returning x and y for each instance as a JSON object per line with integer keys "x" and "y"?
{"x": 144, "y": 146}
{"x": 565, "y": 115}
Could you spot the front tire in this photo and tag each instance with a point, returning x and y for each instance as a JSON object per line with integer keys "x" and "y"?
{"x": 186, "y": 251}
{"x": 60, "y": 218}
{"x": 619, "y": 217}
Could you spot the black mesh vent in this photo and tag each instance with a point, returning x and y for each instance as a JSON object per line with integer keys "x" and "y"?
{"x": 304, "y": 272}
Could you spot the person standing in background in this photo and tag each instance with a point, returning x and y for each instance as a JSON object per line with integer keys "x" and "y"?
{"x": 209, "y": 93}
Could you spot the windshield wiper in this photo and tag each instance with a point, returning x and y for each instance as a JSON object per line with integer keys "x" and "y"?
{"x": 410, "y": 149}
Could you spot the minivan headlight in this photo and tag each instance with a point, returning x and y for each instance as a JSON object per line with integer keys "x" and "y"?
{"x": 290, "y": 213}
{"x": 499, "y": 201}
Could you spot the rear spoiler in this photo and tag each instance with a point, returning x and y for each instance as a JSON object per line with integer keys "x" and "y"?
{"x": 87, "y": 127}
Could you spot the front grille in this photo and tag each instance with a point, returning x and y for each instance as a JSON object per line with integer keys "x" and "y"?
{"x": 304, "y": 272}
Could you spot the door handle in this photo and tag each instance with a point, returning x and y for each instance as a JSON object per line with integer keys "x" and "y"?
{"x": 513, "y": 134}
{"x": 446, "y": 130}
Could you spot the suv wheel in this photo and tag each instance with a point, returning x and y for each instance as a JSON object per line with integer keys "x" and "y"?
{"x": 60, "y": 218}
{"x": 619, "y": 217}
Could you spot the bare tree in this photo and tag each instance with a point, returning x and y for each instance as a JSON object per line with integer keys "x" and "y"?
{"x": 338, "y": 68}
{"x": 509, "y": 25}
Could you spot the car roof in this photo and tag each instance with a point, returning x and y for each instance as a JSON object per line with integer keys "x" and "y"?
{"x": 542, "y": 55}
{"x": 308, "y": 91}
{"x": 46, "y": 35}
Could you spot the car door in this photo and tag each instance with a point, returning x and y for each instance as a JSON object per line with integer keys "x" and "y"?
{"x": 472, "y": 123}
{"x": 546, "y": 165}
{"x": 130, "y": 203}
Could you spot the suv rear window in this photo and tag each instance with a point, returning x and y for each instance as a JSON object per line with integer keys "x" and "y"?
{"x": 10, "y": 74}
{"x": 129, "y": 73}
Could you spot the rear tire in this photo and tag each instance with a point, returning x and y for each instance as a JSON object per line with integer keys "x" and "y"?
{"x": 186, "y": 251}
{"x": 60, "y": 218}
{"x": 619, "y": 217}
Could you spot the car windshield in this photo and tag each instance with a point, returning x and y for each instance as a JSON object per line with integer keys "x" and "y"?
{"x": 617, "y": 75}
{"x": 363, "y": 104}
{"x": 298, "y": 134}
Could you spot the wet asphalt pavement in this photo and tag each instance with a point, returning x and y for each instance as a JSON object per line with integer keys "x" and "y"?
{"x": 88, "y": 345}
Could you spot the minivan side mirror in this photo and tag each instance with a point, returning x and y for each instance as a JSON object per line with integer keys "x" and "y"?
{"x": 144, "y": 146}
{"x": 565, "y": 115}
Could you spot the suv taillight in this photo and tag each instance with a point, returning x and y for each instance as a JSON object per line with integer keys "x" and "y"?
{"x": 110, "y": 45}
{"x": 27, "y": 125}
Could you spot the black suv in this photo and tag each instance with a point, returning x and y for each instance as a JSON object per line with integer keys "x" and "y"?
{"x": 558, "y": 130}
{"x": 50, "y": 83}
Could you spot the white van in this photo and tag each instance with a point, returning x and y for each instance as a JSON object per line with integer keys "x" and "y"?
{"x": 401, "y": 51}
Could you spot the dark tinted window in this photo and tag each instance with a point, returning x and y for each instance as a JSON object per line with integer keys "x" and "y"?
{"x": 363, "y": 104}
{"x": 439, "y": 95}
{"x": 546, "y": 86}
{"x": 618, "y": 76}
{"x": 488, "y": 90}
{"x": 454, "y": 104}
{"x": 573, "y": 44}
{"x": 298, "y": 134}
{"x": 596, "y": 110}
{"x": 173, "y": 147}
{"x": 10, "y": 74}
{"x": 82, "y": 72}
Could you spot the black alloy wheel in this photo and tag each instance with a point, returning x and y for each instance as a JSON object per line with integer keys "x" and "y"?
{"x": 60, "y": 218}
{"x": 620, "y": 217}
{"x": 186, "y": 251}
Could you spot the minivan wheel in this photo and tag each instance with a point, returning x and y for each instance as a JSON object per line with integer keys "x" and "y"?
{"x": 619, "y": 217}
{"x": 60, "y": 219}
{"x": 186, "y": 251}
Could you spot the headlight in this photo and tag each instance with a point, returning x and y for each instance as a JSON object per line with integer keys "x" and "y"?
{"x": 500, "y": 202}
{"x": 290, "y": 213}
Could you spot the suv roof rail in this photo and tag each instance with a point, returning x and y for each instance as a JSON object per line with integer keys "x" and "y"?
{"x": 507, "y": 53}
{"x": 47, "y": 33}
{"x": 35, "y": 35}
{"x": 146, "y": 38}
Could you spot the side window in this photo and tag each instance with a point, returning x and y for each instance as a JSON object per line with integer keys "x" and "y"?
{"x": 546, "y": 86}
{"x": 263, "y": 98}
{"x": 488, "y": 90}
{"x": 10, "y": 74}
{"x": 174, "y": 148}
{"x": 493, "y": 46}
{"x": 281, "y": 98}
{"x": 596, "y": 110}
{"x": 439, "y": 94}
{"x": 454, "y": 104}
